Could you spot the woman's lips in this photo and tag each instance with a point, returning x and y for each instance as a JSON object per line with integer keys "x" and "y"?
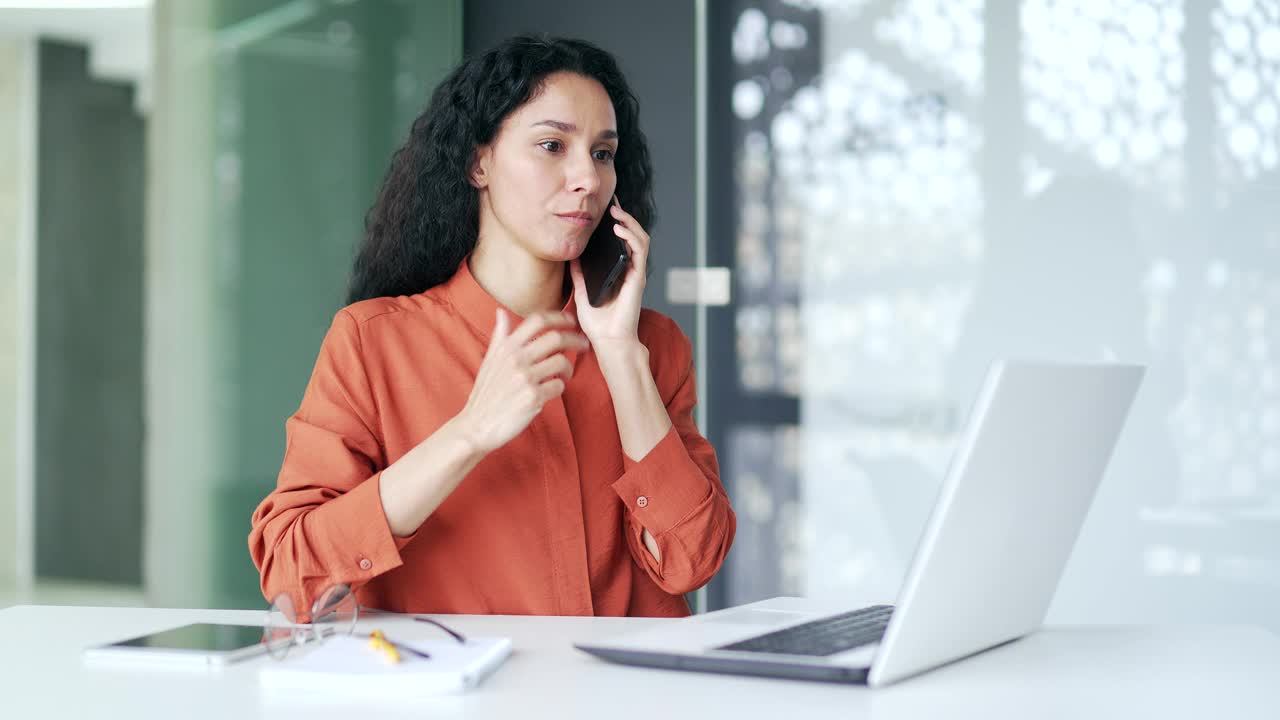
{"x": 576, "y": 220}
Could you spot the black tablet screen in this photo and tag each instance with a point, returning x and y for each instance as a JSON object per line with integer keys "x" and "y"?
{"x": 200, "y": 636}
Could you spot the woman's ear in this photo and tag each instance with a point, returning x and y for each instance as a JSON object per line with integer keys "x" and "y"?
{"x": 478, "y": 173}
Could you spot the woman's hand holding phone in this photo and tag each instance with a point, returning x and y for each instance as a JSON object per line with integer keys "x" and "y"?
{"x": 616, "y": 320}
{"x": 522, "y": 370}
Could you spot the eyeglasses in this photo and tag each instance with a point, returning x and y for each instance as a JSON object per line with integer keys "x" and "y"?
{"x": 335, "y": 612}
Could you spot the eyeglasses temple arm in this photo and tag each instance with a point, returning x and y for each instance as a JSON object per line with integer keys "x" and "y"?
{"x": 456, "y": 635}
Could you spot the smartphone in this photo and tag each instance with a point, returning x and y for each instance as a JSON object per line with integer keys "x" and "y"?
{"x": 604, "y": 262}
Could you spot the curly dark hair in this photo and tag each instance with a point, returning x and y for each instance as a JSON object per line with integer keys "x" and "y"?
{"x": 425, "y": 219}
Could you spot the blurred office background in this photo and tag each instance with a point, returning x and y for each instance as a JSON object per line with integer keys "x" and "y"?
{"x": 902, "y": 191}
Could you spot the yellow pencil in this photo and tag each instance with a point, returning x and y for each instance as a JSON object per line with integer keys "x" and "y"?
{"x": 379, "y": 642}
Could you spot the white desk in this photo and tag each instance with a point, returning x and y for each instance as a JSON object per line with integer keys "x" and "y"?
{"x": 1145, "y": 672}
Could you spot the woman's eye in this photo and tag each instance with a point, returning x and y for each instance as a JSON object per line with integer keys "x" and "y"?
{"x": 604, "y": 155}
{"x": 550, "y": 145}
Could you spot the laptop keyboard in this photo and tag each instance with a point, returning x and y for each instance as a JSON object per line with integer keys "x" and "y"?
{"x": 826, "y": 636}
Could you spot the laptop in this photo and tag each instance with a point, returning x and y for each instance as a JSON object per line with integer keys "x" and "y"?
{"x": 1007, "y": 515}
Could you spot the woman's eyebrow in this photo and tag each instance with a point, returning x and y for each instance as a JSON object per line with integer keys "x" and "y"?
{"x": 570, "y": 128}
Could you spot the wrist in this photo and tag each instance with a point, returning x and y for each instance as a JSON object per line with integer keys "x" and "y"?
{"x": 465, "y": 439}
{"x": 623, "y": 364}
{"x": 620, "y": 351}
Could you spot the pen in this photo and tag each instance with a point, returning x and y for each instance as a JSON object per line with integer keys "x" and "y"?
{"x": 391, "y": 650}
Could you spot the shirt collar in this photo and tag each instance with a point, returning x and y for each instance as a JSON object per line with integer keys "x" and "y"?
{"x": 479, "y": 308}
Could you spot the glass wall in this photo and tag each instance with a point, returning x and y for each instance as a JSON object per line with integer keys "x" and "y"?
{"x": 917, "y": 187}
{"x": 274, "y": 122}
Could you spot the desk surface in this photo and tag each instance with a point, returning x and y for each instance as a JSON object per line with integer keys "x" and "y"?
{"x": 1077, "y": 672}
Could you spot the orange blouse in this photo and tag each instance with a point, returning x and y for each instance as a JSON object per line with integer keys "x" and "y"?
{"x": 549, "y": 524}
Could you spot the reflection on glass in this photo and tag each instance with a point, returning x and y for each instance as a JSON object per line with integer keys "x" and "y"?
{"x": 770, "y": 546}
{"x": 1105, "y": 85}
{"x": 1246, "y": 69}
{"x": 874, "y": 232}
{"x": 942, "y": 36}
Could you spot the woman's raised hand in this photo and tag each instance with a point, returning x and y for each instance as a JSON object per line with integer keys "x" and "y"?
{"x": 521, "y": 371}
{"x": 616, "y": 321}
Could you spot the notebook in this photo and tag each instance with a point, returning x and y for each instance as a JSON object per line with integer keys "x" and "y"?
{"x": 348, "y": 666}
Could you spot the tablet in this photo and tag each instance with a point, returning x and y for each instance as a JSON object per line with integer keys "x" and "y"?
{"x": 190, "y": 645}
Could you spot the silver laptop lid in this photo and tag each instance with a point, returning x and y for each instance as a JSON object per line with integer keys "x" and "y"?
{"x": 1036, "y": 445}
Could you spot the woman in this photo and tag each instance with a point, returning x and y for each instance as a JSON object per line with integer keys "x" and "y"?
{"x": 476, "y": 437}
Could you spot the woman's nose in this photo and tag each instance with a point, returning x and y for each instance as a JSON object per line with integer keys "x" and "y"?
{"x": 584, "y": 175}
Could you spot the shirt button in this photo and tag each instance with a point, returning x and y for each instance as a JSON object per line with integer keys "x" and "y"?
{"x": 642, "y": 501}
{"x": 366, "y": 564}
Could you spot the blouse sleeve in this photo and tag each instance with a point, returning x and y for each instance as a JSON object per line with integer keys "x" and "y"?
{"x": 675, "y": 490}
{"x": 324, "y": 523}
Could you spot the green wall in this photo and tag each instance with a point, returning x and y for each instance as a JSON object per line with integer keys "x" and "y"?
{"x": 265, "y": 184}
